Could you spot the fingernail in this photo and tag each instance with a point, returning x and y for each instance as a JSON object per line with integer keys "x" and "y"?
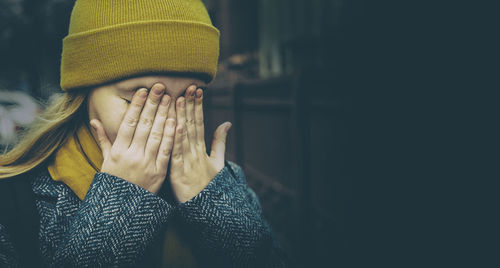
{"x": 158, "y": 91}
{"x": 228, "y": 126}
{"x": 143, "y": 93}
{"x": 199, "y": 93}
{"x": 165, "y": 100}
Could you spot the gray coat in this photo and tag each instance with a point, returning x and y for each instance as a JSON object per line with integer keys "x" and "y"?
{"x": 118, "y": 221}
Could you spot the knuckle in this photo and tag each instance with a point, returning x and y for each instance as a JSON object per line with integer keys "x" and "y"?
{"x": 130, "y": 121}
{"x": 169, "y": 143}
{"x": 153, "y": 101}
{"x": 177, "y": 154}
{"x": 156, "y": 135}
{"x": 146, "y": 122}
{"x": 166, "y": 151}
{"x": 136, "y": 104}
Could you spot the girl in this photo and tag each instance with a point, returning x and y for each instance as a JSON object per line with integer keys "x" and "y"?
{"x": 115, "y": 172}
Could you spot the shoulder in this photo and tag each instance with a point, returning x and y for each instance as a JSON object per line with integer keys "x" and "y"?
{"x": 11, "y": 185}
{"x": 26, "y": 176}
{"x": 17, "y": 191}
{"x": 21, "y": 180}
{"x": 24, "y": 180}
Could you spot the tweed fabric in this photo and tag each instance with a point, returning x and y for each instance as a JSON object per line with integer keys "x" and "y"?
{"x": 8, "y": 255}
{"x": 117, "y": 221}
{"x": 227, "y": 205}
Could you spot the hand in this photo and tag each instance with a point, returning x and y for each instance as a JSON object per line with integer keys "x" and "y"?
{"x": 142, "y": 149}
{"x": 191, "y": 168}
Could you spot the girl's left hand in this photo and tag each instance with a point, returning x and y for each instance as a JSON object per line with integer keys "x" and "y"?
{"x": 191, "y": 168}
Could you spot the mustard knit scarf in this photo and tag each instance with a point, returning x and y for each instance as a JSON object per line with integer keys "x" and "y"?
{"x": 76, "y": 163}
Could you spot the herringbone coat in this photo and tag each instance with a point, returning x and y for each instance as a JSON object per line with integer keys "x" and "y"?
{"x": 118, "y": 221}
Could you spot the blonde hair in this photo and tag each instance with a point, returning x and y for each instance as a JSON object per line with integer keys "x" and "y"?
{"x": 37, "y": 142}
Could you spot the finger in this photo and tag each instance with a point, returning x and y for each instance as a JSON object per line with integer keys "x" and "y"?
{"x": 147, "y": 117}
{"x": 177, "y": 167}
{"x": 102, "y": 138}
{"x": 219, "y": 142}
{"x": 199, "y": 123}
{"x": 181, "y": 119}
{"x": 190, "y": 118}
{"x": 167, "y": 143}
{"x": 156, "y": 134}
{"x": 129, "y": 123}
{"x": 186, "y": 151}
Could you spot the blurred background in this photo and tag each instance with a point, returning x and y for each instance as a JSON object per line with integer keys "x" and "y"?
{"x": 283, "y": 81}
{"x": 354, "y": 120}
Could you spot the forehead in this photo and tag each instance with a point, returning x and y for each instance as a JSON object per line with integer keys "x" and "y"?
{"x": 172, "y": 83}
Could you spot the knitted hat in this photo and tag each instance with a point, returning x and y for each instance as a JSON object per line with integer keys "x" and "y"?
{"x": 110, "y": 40}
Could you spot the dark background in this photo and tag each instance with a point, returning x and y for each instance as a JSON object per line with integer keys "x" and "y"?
{"x": 363, "y": 126}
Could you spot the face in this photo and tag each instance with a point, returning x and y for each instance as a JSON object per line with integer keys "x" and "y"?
{"x": 108, "y": 103}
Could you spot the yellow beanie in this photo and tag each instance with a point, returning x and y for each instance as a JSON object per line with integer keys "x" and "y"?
{"x": 110, "y": 40}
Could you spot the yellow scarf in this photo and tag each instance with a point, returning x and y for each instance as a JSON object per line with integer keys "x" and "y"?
{"x": 76, "y": 163}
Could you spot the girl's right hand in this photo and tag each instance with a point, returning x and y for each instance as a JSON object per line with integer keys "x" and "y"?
{"x": 142, "y": 149}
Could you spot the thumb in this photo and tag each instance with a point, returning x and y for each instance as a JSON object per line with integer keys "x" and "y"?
{"x": 102, "y": 138}
{"x": 219, "y": 142}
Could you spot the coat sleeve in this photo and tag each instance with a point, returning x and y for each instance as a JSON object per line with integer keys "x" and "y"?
{"x": 229, "y": 225}
{"x": 8, "y": 255}
{"x": 113, "y": 226}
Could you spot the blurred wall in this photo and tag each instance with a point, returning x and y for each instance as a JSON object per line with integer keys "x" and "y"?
{"x": 31, "y": 33}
